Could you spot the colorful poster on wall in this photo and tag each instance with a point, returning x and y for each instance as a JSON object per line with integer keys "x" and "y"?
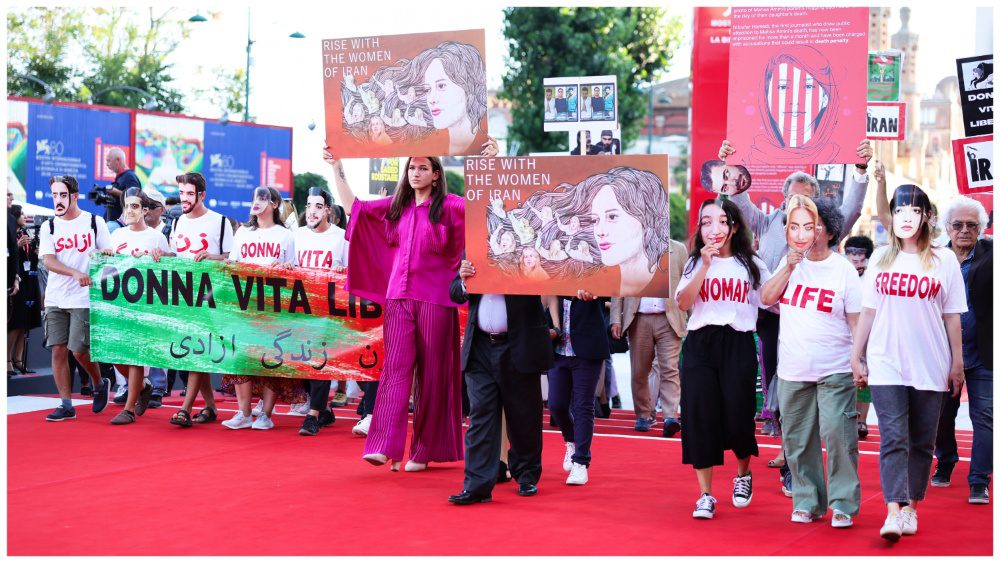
{"x": 239, "y": 157}
{"x": 975, "y": 83}
{"x": 797, "y": 91}
{"x": 17, "y": 147}
{"x": 973, "y": 163}
{"x": 383, "y": 175}
{"x": 580, "y": 102}
{"x": 886, "y": 121}
{"x": 883, "y": 75}
{"x": 397, "y": 95}
{"x": 552, "y": 225}
{"x": 232, "y": 318}
{"x": 166, "y": 147}
{"x": 72, "y": 140}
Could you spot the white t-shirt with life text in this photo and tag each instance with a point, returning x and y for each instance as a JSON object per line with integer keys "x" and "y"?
{"x": 191, "y": 236}
{"x": 264, "y": 247}
{"x": 138, "y": 243}
{"x": 320, "y": 250}
{"x": 71, "y": 242}
{"x": 726, "y": 297}
{"x": 815, "y": 339}
{"x": 908, "y": 344}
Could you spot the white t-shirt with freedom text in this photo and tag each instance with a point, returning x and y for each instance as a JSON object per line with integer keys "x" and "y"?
{"x": 727, "y": 296}
{"x": 191, "y": 236}
{"x": 263, "y": 247}
{"x": 71, "y": 242}
{"x": 138, "y": 243}
{"x": 815, "y": 339}
{"x": 908, "y": 344}
{"x": 320, "y": 250}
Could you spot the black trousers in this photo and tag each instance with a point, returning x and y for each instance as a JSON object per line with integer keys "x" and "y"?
{"x": 319, "y": 393}
{"x": 718, "y": 399}
{"x": 495, "y": 384}
{"x": 366, "y": 405}
{"x": 768, "y": 325}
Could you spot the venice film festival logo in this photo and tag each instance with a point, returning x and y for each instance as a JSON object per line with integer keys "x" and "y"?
{"x": 48, "y": 147}
{"x": 221, "y": 161}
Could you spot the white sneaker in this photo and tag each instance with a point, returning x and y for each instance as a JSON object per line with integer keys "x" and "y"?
{"x": 802, "y": 516}
{"x": 298, "y": 409}
{"x": 705, "y": 507}
{"x": 908, "y": 521}
{"x": 577, "y": 475}
{"x": 742, "y": 490}
{"x": 239, "y": 421}
{"x": 258, "y": 409}
{"x": 568, "y": 458}
{"x": 841, "y": 519}
{"x": 891, "y": 529}
{"x": 361, "y": 428}
{"x": 263, "y": 422}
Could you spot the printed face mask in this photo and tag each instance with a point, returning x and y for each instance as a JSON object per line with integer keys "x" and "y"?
{"x": 132, "y": 210}
{"x": 796, "y": 101}
{"x": 906, "y": 221}
{"x": 261, "y": 198}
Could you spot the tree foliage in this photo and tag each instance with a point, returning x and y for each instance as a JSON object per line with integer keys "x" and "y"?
{"x": 302, "y": 183}
{"x": 39, "y": 41}
{"x": 635, "y": 44}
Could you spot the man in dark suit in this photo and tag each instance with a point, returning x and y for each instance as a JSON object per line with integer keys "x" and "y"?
{"x": 507, "y": 347}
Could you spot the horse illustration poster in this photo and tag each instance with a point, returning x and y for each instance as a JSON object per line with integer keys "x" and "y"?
{"x": 797, "y": 84}
{"x": 552, "y": 225}
{"x": 396, "y": 95}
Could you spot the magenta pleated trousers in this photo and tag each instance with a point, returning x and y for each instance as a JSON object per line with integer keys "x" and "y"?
{"x": 422, "y": 346}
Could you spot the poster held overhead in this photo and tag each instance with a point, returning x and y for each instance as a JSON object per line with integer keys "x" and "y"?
{"x": 886, "y": 121}
{"x": 883, "y": 75}
{"x": 975, "y": 83}
{"x": 398, "y": 95}
{"x": 580, "y": 102}
{"x": 973, "y": 163}
{"x": 797, "y": 99}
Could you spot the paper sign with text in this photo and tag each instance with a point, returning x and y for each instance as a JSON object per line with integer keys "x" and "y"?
{"x": 975, "y": 85}
{"x": 886, "y": 121}
{"x": 973, "y": 163}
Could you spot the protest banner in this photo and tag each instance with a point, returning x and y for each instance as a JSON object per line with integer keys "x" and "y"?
{"x": 986, "y": 198}
{"x": 552, "y": 225}
{"x": 383, "y": 174}
{"x": 580, "y": 102}
{"x": 797, "y": 87}
{"x": 398, "y": 95}
{"x": 212, "y": 316}
{"x": 886, "y": 121}
{"x": 883, "y": 75}
{"x": 973, "y": 163}
{"x": 975, "y": 84}
{"x": 592, "y": 141}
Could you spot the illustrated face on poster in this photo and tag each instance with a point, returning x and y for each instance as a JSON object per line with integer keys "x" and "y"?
{"x": 809, "y": 100}
{"x": 554, "y": 225}
{"x": 719, "y": 178}
{"x": 392, "y": 95}
{"x": 975, "y": 76}
{"x": 595, "y": 142}
{"x": 978, "y": 75}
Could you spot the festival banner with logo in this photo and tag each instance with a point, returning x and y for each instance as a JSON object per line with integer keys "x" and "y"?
{"x": 797, "y": 88}
{"x": 71, "y": 140}
{"x": 552, "y": 225}
{"x": 883, "y": 75}
{"x": 17, "y": 147}
{"x": 975, "y": 83}
{"x": 383, "y": 175}
{"x": 886, "y": 121}
{"x": 233, "y": 318}
{"x": 239, "y": 157}
{"x": 397, "y": 95}
{"x": 973, "y": 163}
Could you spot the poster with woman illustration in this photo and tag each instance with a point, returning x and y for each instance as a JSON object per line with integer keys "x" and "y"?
{"x": 552, "y": 225}
{"x": 797, "y": 84}
{"x": 396, "y": 95}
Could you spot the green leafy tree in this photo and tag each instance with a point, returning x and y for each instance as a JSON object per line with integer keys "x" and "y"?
{"x": 302, "y": 183}
{"x": 224, "y": 90}
{"x": 456, "y": 182}
{"x": 635, "y": 44}
{"x": 678, "y": 217}
{"x": 39, "y": 42}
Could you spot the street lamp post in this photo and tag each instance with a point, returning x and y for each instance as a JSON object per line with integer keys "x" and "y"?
{"x": 149, "y": 105}
{"x": 49, "y": 96}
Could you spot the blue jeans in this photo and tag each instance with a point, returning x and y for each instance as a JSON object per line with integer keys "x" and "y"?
{"x": 907, "y": 421}
{"x": 572, "y": 384}
{"x": 158, "y": 379}
{"x": 979, "y": 382}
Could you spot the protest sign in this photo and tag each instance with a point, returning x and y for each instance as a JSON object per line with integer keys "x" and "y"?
{"x": 212, "y": 316}
{"x": 973, "y": 163}
{"x": 886, "y": 121}
{"x": 398, "y": 95}
{"x": 986, "y": 198}
{"x": 883, "y": 75}
{"x": 552, "y": 225}
{"x": 580, "y": 102}
{"x": 383, "y": 174}
{"x": 594, "y": 141}
{"x": 975, "y": 83}
{"x": 797, "y": 87}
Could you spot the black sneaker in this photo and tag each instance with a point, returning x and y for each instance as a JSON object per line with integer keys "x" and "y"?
{"x": 86, "y": 391}
{"x": 616, "y": 402}
{"x": 942, "y": 475}
{"x": 61, "y": 413}
{"x": 101, "y": 396}
{"x": 326, "y": 417}
{"x": 742, "y": 490}
{"x": 979, "y": 494}
{"x": 155, "y": 401}
{"x": 144, "y": 397}
{"x": 310, "y": 426}
{"x": 671, "y": 427}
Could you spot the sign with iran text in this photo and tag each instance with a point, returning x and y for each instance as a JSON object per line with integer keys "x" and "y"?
{"x": 886, "y": 121}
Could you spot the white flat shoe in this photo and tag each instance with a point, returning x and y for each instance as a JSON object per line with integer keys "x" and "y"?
{"x": 412, "y": 466}
{"x": 375, "y": 459}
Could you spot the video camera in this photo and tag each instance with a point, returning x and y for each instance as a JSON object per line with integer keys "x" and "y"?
{"x": 36, "y": 225}
{"x": 100, "y": 196}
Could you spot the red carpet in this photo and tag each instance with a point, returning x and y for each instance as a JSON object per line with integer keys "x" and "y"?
{"x": 84, "y": 487}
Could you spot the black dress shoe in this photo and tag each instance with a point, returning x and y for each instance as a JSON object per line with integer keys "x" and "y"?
{"x": 527, "y": 489}
{"x": 465, "y": 497}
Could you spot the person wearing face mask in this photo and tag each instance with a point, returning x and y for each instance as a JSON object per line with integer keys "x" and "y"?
{"x": 263, "y": 241}
{"x": 720, "y": 285}
{"x": 404, "y": 253}
{"x": 908, "y": 348}
{"x": 819, "y": 294}
{"x": 858, "y": 249}
{"x": 136, "y": 239}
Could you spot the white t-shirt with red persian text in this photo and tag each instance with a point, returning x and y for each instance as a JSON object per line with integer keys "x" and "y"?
{"x": 138, "y": 243}
{"x": 71, "y": 243}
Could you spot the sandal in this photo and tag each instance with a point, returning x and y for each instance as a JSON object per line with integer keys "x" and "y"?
{"x": 205, "y": 415}
{"x": 182, "y": 418}
{"x": 19, "y": 366}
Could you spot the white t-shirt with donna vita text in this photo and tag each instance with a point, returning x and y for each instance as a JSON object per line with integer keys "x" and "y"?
{"x": 264, "y": 247}
{"x": 71, "y": 243}
{"x": 727, "y": 296}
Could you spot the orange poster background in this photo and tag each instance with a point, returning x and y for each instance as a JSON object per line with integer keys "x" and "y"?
{"x": 484, "y": 182}
{"x": 407, "y": 139}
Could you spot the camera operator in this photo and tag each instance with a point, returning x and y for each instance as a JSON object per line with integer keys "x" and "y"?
{"x": 124, "y": 178}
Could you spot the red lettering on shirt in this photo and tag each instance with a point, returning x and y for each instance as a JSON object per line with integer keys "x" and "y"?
{"x": 82, "y": 243}
{"x": 822, "y": 297}
{"x": 261, "y": 249}
{"x": 907, "y": 285}
{"x": 725, "y": 289}
{"x": 315, "y": 259}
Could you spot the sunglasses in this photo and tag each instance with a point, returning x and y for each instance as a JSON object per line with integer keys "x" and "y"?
{"x": 971, "y": 225}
